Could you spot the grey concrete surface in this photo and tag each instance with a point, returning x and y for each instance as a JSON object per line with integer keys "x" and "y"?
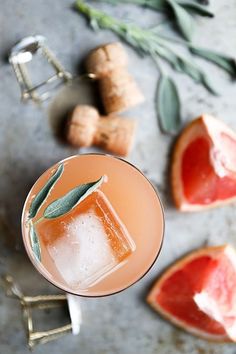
{"x": 122, "y": 323}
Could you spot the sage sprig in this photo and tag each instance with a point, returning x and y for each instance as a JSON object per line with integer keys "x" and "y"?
{"x": 146, "y": 41}
{"x": 66, "y": 203}
{"x": 179, "y": 9}
{"x": 43, "y": 193}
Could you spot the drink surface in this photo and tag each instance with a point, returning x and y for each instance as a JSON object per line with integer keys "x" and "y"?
{"x": 109, "y": 240}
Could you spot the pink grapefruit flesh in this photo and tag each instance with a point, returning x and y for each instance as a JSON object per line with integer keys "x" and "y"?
{"x": 209, "y": 270}
{"x": 204, "y": 165}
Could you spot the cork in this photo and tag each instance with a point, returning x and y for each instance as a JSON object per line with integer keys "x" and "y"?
{"x": 118, "y": 89}
{"x": 112, "y": 133}
{"x": 82, "y": 126}
{"x": 115, "y": 134}
{"x": 104, "y": 59}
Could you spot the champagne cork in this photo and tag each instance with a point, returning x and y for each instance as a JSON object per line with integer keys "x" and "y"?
{"x": 82, "y": 126}
{"x": 115, "y": 134}
{"x": 104, "y": 59}
{"x": 118, "y": 89}
{"x": 112, "y": 133}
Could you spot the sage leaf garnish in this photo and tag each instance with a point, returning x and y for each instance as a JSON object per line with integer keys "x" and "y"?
{"x": 64, "y": 204}
{"x": 35, "y": 244}
{"x": 195, "y": 8}
{"x": 184, "y": 20}
{"x": 43, "y": 193}
{"x": 168, "y": 105}
{"x": 225, "y": 62}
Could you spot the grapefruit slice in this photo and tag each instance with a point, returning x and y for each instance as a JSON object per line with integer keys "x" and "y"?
{"x": 198, "y": 293}
{"x": 203, "y": 172}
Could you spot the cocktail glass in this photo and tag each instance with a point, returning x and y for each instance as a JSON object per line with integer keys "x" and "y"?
{"x": 107, "y": 242}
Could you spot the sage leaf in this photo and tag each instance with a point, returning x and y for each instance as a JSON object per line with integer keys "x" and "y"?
{"x": 185, "y": 21}
{"x": 204, "y": 2}
{"x": 181, "y": 64}
{"x": 64, "y": 204}
{"x": 195, "y": 8}
{"x": 43, "y": 193}
{"x": 190, "y": 69}
{"x": 225, "y": 62}
{"x": 168, "y": 105}
{"x": 35, "y": 244}
{"x": 197, "y": 75}
{"x": 164, "y": 52}
{"x": 159, "y": 5}
{"x": 206, "y": 81}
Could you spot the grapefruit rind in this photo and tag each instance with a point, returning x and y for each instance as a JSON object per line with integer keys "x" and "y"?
{"x": 206, "y": 126}
{"x": 151, "y": 298}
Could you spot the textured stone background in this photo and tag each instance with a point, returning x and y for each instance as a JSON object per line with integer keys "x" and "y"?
{"x": 122, "y": 323}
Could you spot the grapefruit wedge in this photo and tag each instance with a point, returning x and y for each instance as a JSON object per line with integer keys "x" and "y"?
{"x": 203, "y": 171}
{"x": 198, "y": 293}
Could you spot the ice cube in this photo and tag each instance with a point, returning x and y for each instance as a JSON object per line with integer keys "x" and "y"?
{"x": 93, "y": 243}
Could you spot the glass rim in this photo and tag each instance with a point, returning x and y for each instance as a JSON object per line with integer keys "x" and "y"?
{"x": 162, "y": 236}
